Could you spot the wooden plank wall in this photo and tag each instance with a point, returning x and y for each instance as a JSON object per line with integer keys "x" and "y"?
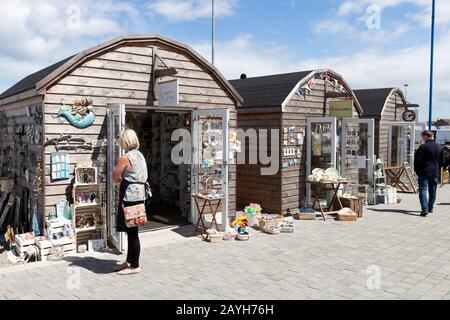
{"x": 252, "y": 187}
{"x": 124, "y": 75}
{"x": 296, "y": 113}
{"x": 21, "y": 150}
{"x": 388, "y": 116}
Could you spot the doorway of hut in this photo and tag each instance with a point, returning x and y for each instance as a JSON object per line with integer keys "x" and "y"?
{"x": 203, "y": 169}
{"x": 345, "y": 144}
{"x": 170, "y": 205}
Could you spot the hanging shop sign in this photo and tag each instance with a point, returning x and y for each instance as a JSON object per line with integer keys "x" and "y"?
{"x": 81, "y": 115}
{"x": 168, "y": 94}
{"x": 409, "y": 116}
{"x": 341, "y": 109}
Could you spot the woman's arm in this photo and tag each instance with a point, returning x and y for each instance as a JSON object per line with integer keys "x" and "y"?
{"x": 122, "y": 164}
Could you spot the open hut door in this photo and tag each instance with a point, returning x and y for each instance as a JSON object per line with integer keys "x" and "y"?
{"x": 357, "y": 150}
{"x": 210, "y": 139}
{"x": 116, "y": 123}
{"x": 402, "y": 136}
{"x": 321, "y": 147}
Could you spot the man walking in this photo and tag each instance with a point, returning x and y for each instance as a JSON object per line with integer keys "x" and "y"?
{"x": 428, "y": 161}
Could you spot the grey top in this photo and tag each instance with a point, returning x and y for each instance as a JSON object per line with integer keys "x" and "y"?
{"x": 137, "y": 174}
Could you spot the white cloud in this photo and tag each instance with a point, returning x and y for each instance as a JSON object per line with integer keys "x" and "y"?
{"x": 35, "y": 34}
{"x": 422, "y": 15}
{"x": 358, "y": 6}
{"x": 365, "y": 68}
{"x": 187, "y": 10}
{"x": 241, "y": 55}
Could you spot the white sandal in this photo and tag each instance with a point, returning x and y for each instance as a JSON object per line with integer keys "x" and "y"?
{"x": 129, "y": 271}
{"x": 122, "y": 266}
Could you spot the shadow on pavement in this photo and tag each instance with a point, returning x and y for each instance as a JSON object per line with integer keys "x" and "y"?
{"x": 185, "y": 231}
{"x": 98, "y": 266}
{"x": 407, "y": 212}
{"x": 443, "y": 204}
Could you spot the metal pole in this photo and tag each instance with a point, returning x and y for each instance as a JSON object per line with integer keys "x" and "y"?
{"x": 213, "y": 34}
{"x": 430, "y": 116}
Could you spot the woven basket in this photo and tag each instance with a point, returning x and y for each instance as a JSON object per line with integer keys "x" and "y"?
{"x": 264, "y": 224}
{"x": 229, "y": 236}
{"x": 243, "y": 237}
{"x": 216, "y": 238}
{"x": 287, "y": 228}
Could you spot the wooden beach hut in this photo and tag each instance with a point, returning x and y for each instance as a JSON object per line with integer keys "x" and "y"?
{"x": 311, "y": 110}
{"x": 72, "y": 112}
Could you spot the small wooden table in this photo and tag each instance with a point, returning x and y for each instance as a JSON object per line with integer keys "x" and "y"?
{"x": 202, "y": 202}
{"x": 396, "y": 173}
{"x": 318, "y": 188}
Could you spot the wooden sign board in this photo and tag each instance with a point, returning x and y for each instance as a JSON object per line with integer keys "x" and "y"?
{"x": 341, "y": 109}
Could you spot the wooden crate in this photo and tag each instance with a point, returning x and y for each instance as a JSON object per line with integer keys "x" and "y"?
{"x": 305, "y": 216}
{"x": 341, "y": 217}
{"x": 45, "y": 247}
{"x": 356, "y": 205}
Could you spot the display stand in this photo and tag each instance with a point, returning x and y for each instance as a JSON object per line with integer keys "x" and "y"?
{"x": 88, "y": 217}
{"x": 203, "y": 202}
{"x": 318, "y": 188}
{"x": 396, "y": 174}
{"x": 379, "y": 185}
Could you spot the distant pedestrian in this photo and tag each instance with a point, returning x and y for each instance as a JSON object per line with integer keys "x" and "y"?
{"x": 428, "y": 161}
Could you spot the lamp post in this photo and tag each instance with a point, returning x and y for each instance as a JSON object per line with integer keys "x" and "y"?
{"x": 433, "y": 18}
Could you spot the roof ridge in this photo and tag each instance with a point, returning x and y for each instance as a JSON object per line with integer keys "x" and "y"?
{"x": 275, "y": 75}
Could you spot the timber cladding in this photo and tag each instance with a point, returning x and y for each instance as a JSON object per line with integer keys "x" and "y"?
{"x": 119, "y": 71}
{"x": 380, "y": 104}
{"x": 21, "y": 151}
{"x": 287, "y": 189}
{"x": 124, "y": 75}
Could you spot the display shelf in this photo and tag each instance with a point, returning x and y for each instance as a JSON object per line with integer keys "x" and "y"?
{"x": 87, "y": 205}
{"x": 90, "y": 229}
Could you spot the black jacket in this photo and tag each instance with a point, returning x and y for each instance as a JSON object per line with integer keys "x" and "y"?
{"x": 429, "y": 159}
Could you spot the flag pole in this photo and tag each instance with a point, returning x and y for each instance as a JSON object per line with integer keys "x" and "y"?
{"x": 433, "y": 18}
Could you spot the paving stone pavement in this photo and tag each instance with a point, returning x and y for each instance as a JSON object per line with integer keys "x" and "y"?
{"x": 321, "y": 260}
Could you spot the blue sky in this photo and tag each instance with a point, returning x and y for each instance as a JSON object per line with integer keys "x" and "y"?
{"x": 372, "y": 43}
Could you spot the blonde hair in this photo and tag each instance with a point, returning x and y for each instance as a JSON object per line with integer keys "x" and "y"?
{"x": 129, "y": 140}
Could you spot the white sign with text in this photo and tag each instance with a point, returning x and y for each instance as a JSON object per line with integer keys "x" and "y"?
{"x": 168, "y": 94}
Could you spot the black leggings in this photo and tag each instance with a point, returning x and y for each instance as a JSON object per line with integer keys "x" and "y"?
{"x": 134, "y": 245}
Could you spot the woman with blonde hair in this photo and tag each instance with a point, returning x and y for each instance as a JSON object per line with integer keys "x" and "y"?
{"x": 131, "y": 172}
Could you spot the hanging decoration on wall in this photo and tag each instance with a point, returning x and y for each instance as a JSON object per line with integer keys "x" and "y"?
{"x": 67, "y": 143}
{"x": 81, "y": 115}
{"x": 38, "y": 175}
{"x": 38, "y": 116}
{"x": 60, "y": 166}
